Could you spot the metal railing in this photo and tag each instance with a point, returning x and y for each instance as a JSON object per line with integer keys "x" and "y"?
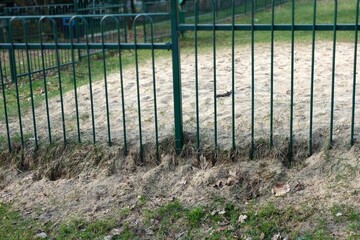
{"x": 137, "y": 93}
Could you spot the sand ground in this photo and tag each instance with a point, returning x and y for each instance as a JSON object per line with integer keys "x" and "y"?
{"x": 164, "y": 91}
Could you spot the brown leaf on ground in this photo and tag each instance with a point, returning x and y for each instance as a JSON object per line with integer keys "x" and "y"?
{"x": 280, "y": 189}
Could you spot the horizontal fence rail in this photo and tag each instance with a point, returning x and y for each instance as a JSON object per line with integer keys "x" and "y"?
{"x": 129, "y": 91}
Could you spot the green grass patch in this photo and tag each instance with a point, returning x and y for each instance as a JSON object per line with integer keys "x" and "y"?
{"x": 13, "y": 226}
{"x": 211, "y": 221}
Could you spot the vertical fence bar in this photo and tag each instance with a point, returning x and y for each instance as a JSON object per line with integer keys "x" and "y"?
{"x": 73, "y": 19}
{"x": 14, "y": 79}
{"x": 245, "y": 9}
{"x": 125, "y": 29}
{"x": 214, "y": 67}
{"x": 272, "y": 75}
{"x": 196, "y": 9}
{"x": 233, "y": 77}
{"x": 25, "y": 28}
{"x": 252, "y": 81}
{"x": 44, "y": 73}
{"x": 290, "y": 154}
{"x": 176, "y": 75}
{"x": 312, "y": 80}
{"x": 90, "y": 82}
{"x": 333, "y": 77}
{"x": 57, "y": 57}
{"x": 138, "y": 90}
{"x": 105, "y": 80}
{"x": 122, "y": 90}
{"x": 354, "y": 74}
{"x": 154, "y": 87}
{"x": 5, "y": 108}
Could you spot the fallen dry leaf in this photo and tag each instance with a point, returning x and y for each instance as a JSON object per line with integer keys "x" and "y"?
{"x": 280, "y": 189}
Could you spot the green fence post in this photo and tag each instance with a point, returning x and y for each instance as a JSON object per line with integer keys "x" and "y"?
{"x": 11, "y": 55}
{"x": 176, "y": 75}
{"x": 76, "y": 7}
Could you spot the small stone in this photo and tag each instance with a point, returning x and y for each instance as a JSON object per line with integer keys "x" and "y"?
{"x": 115, "y": 232}
{"x": 242, "y": 218}
{"x": 249, "y": 238}
{"x": 41, "y": 235}
{"x": 108, "y": 237}
{"x": 276, "y": 237}
{"x": 222, "y": 212}
{"x": 286, "y": 237}
{"x": 213, "y": 213}
{"x": 339, "y": 214}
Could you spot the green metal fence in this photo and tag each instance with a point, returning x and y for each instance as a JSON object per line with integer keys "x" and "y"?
{"x": 43, "y": 113}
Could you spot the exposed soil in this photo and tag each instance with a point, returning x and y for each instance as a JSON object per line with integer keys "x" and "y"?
{"x": 94, "y": 182}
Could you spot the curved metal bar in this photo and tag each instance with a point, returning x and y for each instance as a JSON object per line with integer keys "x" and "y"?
{"x": 105, "y": 78}
{"x": 41, "y": 20}
{"x": 83, "y": 20}
{"x": 146, "y": 16}
{"x": 24, "y": 25}
{"x": 117, "y": 23}
{"x": 51, "y": 19}
{"x": 14, "y": 79}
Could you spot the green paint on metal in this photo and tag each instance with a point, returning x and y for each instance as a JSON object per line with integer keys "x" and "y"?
{"x": 352, "y": 140}
{"x": 25, "y": 28}
{"x": 271, "y": 142}
{"x": 214, "y": 67}
{"x": 312, "y": 81}
{"x": 333, "y": 76}
{"x": 105, "y": 80}
{"x": 233, "y": 79}
{"x": 198, "y": 150}
{"x": 178, "y": 117}
{"x": 290, "y": 151}
{"x": 141, "y": 151}
{"x": 252, "y": 80}
{"x": 73, "y": 19}
{"x": 5, "y": 109}
{"x": 14, "y": 80}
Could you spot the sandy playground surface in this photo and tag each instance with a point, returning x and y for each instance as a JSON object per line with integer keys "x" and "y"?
{"x": 164, "y": 91}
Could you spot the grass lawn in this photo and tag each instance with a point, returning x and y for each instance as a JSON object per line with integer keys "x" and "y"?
{"x": 218, "y": 220}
